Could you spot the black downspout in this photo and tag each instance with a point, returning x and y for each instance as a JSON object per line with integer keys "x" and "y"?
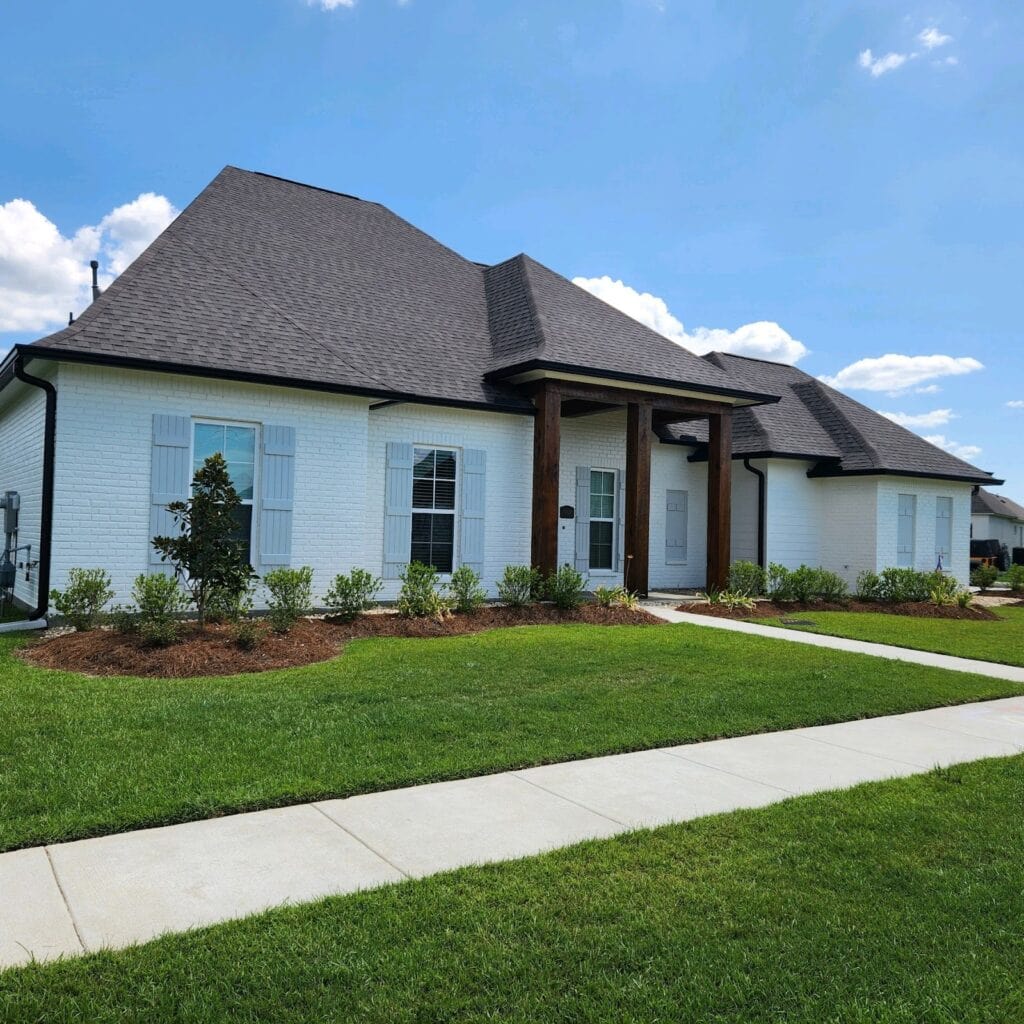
{"x": 761, "y": 499}
{"x": 46, "y": 501}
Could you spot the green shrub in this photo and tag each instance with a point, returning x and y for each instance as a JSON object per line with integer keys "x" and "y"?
{"x": 466, "y": 590}
{"x": 519, "y": 585}
{"x": 964, "y": 598}
{"x": 904, "y": 586}
{"x": 81, "y": 603}
{"x": 606, "y": 596}
{"x": 291, "y": 596}
{"x": 564, "y": 588}
{"x": 984, "y": 576}
{"x": 869, "y": 586}
{"x": 778, "y": 585}
{"x": 123, "y": 619}
{"x": 159, "y": 603}
{"x": 944, "y": 589}
{"x": 627, "y": 598}
{"x": 419, "y": 595}
{"x": 248, "y": 633}
{"x": 352, "y": 594}
{"x": 224, "y": 604}
{"x": 747, "y": 578}
{"x": 805, "y": 584}
{"x": 1015, "y": 577}
{"x": 731, "y": 599}
{"x": 831, "y": 586}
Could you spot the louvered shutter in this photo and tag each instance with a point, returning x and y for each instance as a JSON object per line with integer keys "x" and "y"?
{"x": 277, "y": 496}
{"x": 397, "y": 508}
{"x": 474, "y": 472}
{"x": 169, "y": 479}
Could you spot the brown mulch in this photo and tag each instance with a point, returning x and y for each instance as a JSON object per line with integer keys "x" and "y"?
{"x": 214, "y": 652}
{"x": 772, "y": 609}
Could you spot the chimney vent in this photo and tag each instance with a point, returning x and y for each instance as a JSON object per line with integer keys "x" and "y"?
{"x": 95, "y": 264}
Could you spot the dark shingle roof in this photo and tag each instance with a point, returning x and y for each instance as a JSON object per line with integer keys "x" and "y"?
{"x": 985, "y": 503}
{"x": 267, "y": 277}
{"x": 816, "y": 422}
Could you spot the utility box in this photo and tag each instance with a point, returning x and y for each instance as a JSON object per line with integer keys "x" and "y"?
{"x": 11, "y": 503}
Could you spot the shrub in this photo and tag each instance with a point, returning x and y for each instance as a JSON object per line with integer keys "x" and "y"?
{"x": 964, "y": 598}
{"x": 123, "y": 619}
{"x": 206, "y": 554}
{"x": 564, "y": 588}
{"x": 831, "y": 586}
{"x": 291, "y": 596}
{"x": 606, "y": 596}
{"x": 747, "y": 578}
{"x": 248, "y": 633}
{"x": 627, "y": 598}
{"x": 519, "y": 585}
{"x": 778, "y": 585}
{"x": 419, "y": 595}
{"x": 869, "y": 586}
{"x": 900, "y": 586}
{"x": 466, "y": 590}
{"x": 88, "y": 590}
{"x": 226, "y": 605}
{"x": 352, "y": 594}
{"x": 159, "y": 602}
{"x": 731, "y": 599}
{"x": 944, "y": 589}
{"x": 805, "y": 584}
{"x": 1015, "y": 577}
{"x": 984, "y": 576}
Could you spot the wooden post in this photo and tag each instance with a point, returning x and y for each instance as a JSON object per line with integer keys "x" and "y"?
{"x": 546, "y": 447}
{"x": 636, "y": 543}
{"x": 719, "y": 498}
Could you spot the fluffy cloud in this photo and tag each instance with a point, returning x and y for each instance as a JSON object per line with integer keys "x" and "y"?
{"x": 931, "y": 37}
{"x": 935, "y": 418}
{"x": 961, "y": 451}
{"x": 898, "y": 374}
{"x": 878, "y": 66}
{"x": 331, "y": 5}
{"x": 45, "y": 275}
{"x": 763, "y": 339}
{"x": 1015, "y": 404}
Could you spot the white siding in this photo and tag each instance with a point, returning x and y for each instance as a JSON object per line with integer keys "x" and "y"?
{"x": 744, "y": 511}
{"x": 22, "y": 420}
{"x": 794, "y": 514}
{"x": 999, "y": 528}
{"x": 670, "y": 470}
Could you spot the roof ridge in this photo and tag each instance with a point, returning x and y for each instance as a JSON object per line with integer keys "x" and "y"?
{"x": 825, "y": 393}
{"x": 531, "y": 301}
{"x": 754, "y": 359}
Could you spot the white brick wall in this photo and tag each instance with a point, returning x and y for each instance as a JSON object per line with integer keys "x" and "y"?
{"x": 744, "y": 511}
{"x": 793, "y": 515}
{"x": 670, "y": 470}
{"x": 849, "y": 525}
{"x": 22, "y": 419}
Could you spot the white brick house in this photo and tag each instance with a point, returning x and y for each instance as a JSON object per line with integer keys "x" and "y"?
{"x": 381, "y": 399}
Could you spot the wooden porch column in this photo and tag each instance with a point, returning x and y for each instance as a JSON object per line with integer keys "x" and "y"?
{"x": 546, "y": 447}
{"x": 636, "y": 543}
{"x": 719, "y": 498}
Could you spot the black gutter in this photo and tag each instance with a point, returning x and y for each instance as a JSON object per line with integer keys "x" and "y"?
{"x": 46, "y": 500}
{"x": 762, "y": 500}
{"x": 823, "y": 472}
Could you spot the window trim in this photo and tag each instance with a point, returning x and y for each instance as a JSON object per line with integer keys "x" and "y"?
{"x": 455, "y": 511}
{"x": 613, "y": 519}
{"x": 253, "y": 502}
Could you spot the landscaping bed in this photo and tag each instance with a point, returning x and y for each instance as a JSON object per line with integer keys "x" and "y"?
{"x": 215, "y": 650}
{"x": 775, "y": 609}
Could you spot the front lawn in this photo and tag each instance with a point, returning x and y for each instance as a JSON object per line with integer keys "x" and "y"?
{"x": 1000, "y": 639}
{"x": 84, "y": 756}
{"x": 893, "y": 903}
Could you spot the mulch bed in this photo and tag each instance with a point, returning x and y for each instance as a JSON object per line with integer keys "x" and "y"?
{"x": 214, "y": 652}
{"x": 773, "y": 609}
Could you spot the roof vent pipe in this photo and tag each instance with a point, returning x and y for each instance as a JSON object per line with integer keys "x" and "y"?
{"x": 95, "y": 264}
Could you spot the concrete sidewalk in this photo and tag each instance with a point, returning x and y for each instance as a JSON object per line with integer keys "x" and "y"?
{"x": 837, "y": 643}
{"x": 113, "y": 891}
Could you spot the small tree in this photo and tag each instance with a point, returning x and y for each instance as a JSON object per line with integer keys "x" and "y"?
{"x": 206, "y": 555}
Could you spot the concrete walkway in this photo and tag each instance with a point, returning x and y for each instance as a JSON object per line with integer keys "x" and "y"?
{"x": 983, "y": 668}
{"x": 117, "y": 890}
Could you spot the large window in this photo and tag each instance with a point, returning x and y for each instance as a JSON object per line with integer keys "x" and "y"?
{"x": 433, "y": 508}
{"x": 237, "y": 444}
{"x": 906, "y": 528}
{"x": 943, "y": 531}
{"x": 602, "y": 518}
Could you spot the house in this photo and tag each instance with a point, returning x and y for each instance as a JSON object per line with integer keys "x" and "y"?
{"x": 379, "y": 399}
{"x": 994, "y": 517}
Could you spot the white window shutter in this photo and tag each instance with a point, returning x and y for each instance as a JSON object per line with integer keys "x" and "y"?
{"x": 618, "y": 558}
{"x": 474, "y": 472}
{"x": 169, "y": 479}
{"x": 676, "y": 526}
{"x": 397, "y": 508}
{"x": 583, "y": 519}
{"x": 277, "y": 496}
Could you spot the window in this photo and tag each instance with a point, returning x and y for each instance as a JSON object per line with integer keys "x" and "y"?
{"x": 943, "y": 531}
{"x": 237, "y": 444}
{"x": 602, "y": 518}
{"x": 433, "y": 507}
{"x": 905, "y": 530}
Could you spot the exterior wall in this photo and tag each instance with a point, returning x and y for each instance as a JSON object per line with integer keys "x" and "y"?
{"x": 849, "y": 525}
{"x": 22, "y": 420}
{"x": 926, "y": 491}
{"x": 670, "y": 470}
{"x": 104, "y": 432}
{"x": 793, "y": 514}
{"x": 744, "y": 511}
{"x": 508, "y": 441}
{"x": 1006, "y": 531}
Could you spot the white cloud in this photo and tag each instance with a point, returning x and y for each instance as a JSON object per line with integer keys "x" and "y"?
{"x": 898, "y": 374}
{"x": 878, "y": 66}
{"x": 931, "y": 37}
{"x": 961, "y": 451}
{"x": 331, "y": 5}
{"x": 1015, "y": 404}
{"x": 45, "y": 275}
{"x": 763, "y": 339}
{"x": 935, "y": 418}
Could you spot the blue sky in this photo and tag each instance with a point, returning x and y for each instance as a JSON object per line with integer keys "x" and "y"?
{"x": 840, "y": 178}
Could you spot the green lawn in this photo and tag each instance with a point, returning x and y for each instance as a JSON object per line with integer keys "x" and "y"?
{"x": 992, "y": 640}
{"x": 84, "y": 756}
{"x": 893, "y": 903}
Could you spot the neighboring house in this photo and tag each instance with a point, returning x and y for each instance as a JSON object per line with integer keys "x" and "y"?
{"x": 379, "y": 399}
{"x": 994, "y": 517}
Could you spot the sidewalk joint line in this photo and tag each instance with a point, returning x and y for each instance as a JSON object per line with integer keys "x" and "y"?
{"x": 569, "y": 800}
{"x": 726, "y": 771}
{"x": 868, "y": 753}
{"x": 64, "y": 897}
{"x": 361, "y": 841}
